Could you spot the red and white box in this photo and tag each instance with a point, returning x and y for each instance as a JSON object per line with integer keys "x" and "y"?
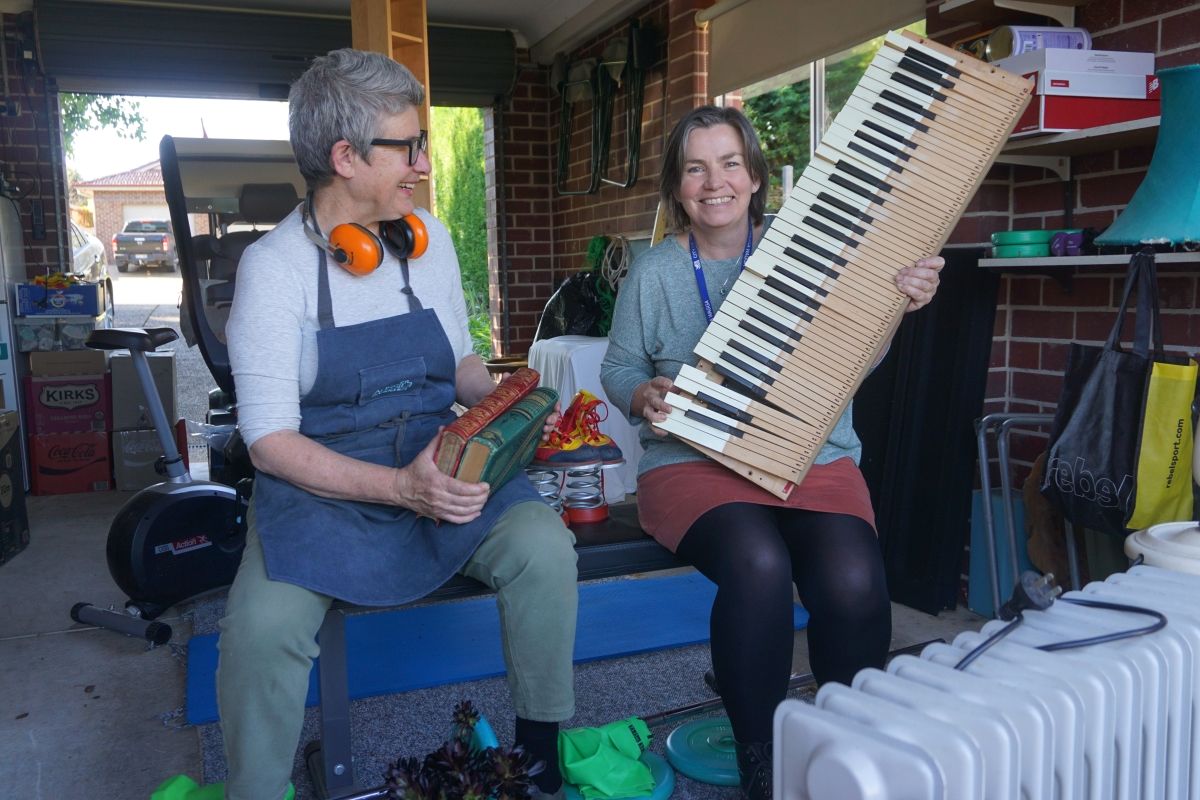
{"x": 67, "y": 404}
{"x": 1078, "y": 89}
{"x": 66, "y": 463}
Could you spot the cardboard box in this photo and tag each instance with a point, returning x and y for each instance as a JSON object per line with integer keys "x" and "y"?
{"x": 128, "y": 399}
{"x": 134, "y": 454}
{"x": 1087, "y": 73}
{"x": 87, "y": 299}
{"x": 14, "y": 522}
{"x": 56, "y": 363}
{"x": 1056, "y": 113}
{"x": 56, "y": 333}
{"x": 67, "y": 404}
{"x": 65, "y": 463}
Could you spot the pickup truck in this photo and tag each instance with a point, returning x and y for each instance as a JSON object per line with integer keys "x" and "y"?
{"x": 144, "y": 243}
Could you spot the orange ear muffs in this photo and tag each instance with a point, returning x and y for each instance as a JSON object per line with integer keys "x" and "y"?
{"x": 406, "y": 237}
{"x": 356, "y": 248}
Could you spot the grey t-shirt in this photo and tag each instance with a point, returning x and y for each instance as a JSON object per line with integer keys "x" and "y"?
{"x": 657, "y": 322}
{"x": 272, "y": 329}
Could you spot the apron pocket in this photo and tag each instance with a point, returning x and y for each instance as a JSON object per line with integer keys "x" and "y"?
{"x": 399, "y": 381}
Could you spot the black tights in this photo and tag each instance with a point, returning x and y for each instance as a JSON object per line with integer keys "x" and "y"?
{"x": 754, "y": 554}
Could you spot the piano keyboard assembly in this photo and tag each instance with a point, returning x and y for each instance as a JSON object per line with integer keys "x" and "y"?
{"x": 817, "y": 300}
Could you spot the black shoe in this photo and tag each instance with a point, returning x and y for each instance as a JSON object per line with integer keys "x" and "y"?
{"x": 754, "y": 769}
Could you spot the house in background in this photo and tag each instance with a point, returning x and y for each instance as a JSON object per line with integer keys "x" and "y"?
{"x": 133, "y": 194}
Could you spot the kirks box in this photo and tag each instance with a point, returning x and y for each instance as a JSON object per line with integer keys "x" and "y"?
{"x": 68, "y": 362}
{"x": 135, "y": 454}
{"x": 67, "y": 404}
{"x": 1087, "y": 73}
{"x": 129, "y": 410}
{"x": 14, "y": 522}
{"x": 87, "y": 299}
{"x": 66, "y": 463}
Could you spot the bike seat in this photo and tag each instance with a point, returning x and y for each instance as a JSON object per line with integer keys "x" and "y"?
{"x": 143, "y": 339}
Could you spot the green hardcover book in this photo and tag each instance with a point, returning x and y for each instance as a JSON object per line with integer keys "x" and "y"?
{"x": 506, "y": 445}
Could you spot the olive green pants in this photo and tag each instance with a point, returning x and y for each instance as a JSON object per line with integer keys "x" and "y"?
{"x": 268, "y": 642}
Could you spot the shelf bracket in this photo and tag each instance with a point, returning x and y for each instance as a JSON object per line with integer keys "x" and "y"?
{"x": 1063, "y": 15}
{"x": 1059, "y": 165}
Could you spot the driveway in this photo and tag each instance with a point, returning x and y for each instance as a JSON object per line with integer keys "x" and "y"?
{"x": 149, "y": 300}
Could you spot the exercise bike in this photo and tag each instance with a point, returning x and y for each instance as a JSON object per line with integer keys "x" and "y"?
{"x": 179, "y": 538}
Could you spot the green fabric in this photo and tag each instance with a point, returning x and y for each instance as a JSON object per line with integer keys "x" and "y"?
{"x": 181, "y": 787}
{"x": 605, "y": 762}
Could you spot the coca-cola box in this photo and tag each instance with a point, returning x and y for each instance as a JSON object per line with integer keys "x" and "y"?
{"x": 65, "y": 463}
{"x": 135, "y": 453}
{"x": 14, "y": 522}
{"x": 67, "y": 404}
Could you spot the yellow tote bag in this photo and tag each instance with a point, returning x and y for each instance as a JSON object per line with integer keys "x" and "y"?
{"x": 1164, "y": 466}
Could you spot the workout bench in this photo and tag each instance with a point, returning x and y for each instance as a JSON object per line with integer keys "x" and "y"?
{"x": 606, "y": 549}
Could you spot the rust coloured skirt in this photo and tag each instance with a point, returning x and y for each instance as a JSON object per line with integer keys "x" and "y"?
{"x": 671, "y": 498}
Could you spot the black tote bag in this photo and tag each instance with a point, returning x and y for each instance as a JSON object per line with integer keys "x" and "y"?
{"x": 1092, "y": 461}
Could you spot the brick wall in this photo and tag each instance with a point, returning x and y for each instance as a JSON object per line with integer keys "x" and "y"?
{"x": 30, "y": 146}
{"x": 1038, "y": 315}
{"x": 546, "y": 234}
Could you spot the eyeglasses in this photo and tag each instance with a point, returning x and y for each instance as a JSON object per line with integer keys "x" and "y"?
{"x": 416, "y": 145}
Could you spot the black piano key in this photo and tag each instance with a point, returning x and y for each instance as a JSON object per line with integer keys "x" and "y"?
{"x": 923, "y": 88}
{"x": 875, "y": 126}
{"x": 800, "y": 279}
{"x": 863, "y": 176}
{"x": 788, "y": 307}
{"x": 712, "y": 423}
{"x": 750, "y": 352}
{"x": 842, "y": 205}
{"x": 816, "y": 248}
{"x": 739, "y": 383}
{"x": 774, "y": 324}
{"x": 904, "y": 102}
{"x": 753, "y": 372}
{"x": 900, "y": 117}
{"x": 724, "y": 408}
{"x": 871, "y": 154}
{"x": 922, "y": 71}
{"x": 770, "y": 339}
{"x": 812, "y": 262}
{"x": 833, "y": 233}
{"x": 857, "y": 189}
{"x": 884, "y": 146}
{"x": 795, "y": 294}
{"x": 936, "y": 63}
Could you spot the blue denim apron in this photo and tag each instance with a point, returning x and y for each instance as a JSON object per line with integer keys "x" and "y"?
{"x": 382, "y": 390}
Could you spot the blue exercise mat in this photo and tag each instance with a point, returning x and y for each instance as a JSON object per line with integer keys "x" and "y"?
{"x": 454, "y": 642}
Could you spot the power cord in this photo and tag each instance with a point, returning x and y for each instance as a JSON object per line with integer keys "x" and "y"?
{"x": 1038, "y": 592}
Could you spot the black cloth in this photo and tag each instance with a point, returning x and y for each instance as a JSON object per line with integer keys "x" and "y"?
{"x": 754, "y": 554}
{"x": 540, "y": 740}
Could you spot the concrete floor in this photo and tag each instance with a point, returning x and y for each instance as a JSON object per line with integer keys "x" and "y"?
{"x": 88, "y": 709}
{"x": 89, "y": 712}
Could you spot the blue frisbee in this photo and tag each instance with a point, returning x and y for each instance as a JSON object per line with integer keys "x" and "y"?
{"x": 703, "y": 750}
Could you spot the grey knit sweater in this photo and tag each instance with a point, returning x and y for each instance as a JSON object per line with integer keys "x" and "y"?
{"x": 657, "y": 321}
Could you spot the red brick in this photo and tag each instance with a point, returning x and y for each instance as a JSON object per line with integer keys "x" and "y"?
{"x": 1037, "y": 386}
{"x": 1183, "y": 58}
{"x": 1038, "y": 197}
{"x": 1023, "y": 355}
{"x": 977, "y": 228}
{"x": 1084, "y": 291}
{"x": 1099, "y": 15}
{"x": 1176, "y": 292}
{"x": 1025, "y": 290}
{"x": 1042, "y": 324}
{"x": 990, "y": 197}
{"x": 1134, "y": 157}
{"x": 998, "y": 356}
{"x": 1092, "y": 327}
{"x": 1094, "y": 219}
{"x": 1181, "y": 330}
{"x": 1000, "y": 323}
{"x": 1054, "y": 356}
{"x": 1143, "y": 38}
{"x": 1111, "y": 190}
{"x": 1026, "y": 174}
{"x": 997, "y": 383}
{"x": 1134, "y": 10}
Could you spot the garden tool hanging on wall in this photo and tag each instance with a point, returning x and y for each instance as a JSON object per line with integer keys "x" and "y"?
{"x": 622, "y": 66}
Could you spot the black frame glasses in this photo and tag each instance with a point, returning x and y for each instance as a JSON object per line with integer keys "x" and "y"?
{"x": 416, "y": 145}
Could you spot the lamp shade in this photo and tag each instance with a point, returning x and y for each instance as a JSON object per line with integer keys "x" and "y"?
{"x": 1166, "y": 207}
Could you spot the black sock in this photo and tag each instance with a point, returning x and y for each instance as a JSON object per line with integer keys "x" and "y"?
{"x": 540, "y": 740}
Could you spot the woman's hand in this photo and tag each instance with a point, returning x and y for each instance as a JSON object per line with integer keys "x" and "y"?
{"x": 650, "y": 401}
{"x": 920, "y": 281}
{"x": 551, "y": 421}
{"x": 421, "y": 486}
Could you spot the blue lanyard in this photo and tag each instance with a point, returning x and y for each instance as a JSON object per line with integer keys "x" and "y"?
{"x": 702, "y": 284}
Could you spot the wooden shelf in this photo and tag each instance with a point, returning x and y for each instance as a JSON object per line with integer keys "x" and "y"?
{"x": 1053, "y": 151}
{"x": 987, "y": 12}
{"x": 1055, "y": 262}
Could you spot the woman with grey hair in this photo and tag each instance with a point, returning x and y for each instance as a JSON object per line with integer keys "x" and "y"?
{"x": 349, "y": 344}
{"x": 754, "y": 546}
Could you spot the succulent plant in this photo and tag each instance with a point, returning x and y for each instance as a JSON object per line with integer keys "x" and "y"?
{"x": 457, "y": 772}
